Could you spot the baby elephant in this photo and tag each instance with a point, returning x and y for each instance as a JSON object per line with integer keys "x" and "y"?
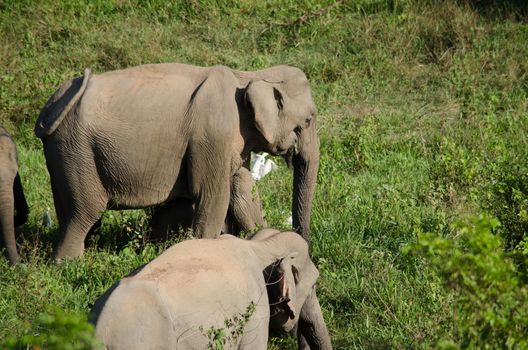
{"x": 13, "y": 206}
{"x": 244, "y": 213}
{"x": 202, "y": 291}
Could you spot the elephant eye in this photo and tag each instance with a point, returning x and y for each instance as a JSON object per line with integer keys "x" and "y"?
{"x": 308, "y": 120}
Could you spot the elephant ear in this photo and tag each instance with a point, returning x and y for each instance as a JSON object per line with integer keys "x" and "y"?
{"x": 287, "y": 285}
{"x": 282, "y": 291}
{"x": 266, "y": 101}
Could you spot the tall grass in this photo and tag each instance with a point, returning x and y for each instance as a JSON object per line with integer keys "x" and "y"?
{"x": 423, "y": 121}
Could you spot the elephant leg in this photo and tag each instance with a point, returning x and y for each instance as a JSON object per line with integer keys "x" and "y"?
{"x": 210, "y": 213}
{"x": 245, "y": 205}
{"x": 210, "y": 186}
{"x": 7, "y": 225}
{"x": 78, "y": 193}
{"x": 77, "y": 212}
{"x": 73, "y": 231}
{"x": 171, "y": 216}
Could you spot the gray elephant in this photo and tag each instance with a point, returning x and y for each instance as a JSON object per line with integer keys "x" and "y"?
{"x": 244, "y": 214}
{"x": 146, "y": 135}
{"x": 201, "y": 288}
{"x": 13, "y": 206}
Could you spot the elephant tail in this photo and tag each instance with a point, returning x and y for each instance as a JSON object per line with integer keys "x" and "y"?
{"x": 60, "y": 104}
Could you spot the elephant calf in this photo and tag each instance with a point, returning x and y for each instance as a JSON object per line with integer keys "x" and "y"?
{"x": 244, "y": 213}
{"x": 13, "y": 206}
{"x": 199, "y": 287}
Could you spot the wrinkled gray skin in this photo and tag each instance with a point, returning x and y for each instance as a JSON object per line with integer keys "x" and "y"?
{"x": 244, "y": 214}
{"x": 13, "y": 206}
{"x": 196, "y": 285}
{"x": 146, "y": 135}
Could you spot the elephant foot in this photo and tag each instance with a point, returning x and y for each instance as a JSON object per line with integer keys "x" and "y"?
{"x": 68, "y": 253}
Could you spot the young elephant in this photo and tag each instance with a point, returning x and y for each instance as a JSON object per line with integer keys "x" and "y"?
{"x": 201, "y": 286}
{"x": 13, "y": 206}
{"x": 244, "y": 213}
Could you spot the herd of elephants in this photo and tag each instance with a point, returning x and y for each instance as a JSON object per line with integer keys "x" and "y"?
{"x": 179, "y": 138}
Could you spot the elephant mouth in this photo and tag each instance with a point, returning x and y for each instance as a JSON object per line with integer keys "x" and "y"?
{"x": 289, "y": 144}
{"x": 283, "y": 152}
{"x": 289, "y": 153}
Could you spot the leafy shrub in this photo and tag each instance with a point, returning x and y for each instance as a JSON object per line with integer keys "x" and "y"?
{"x": 491, "y": 299}
{"x": 508, "y": 200}
{"x": 57, "y": 330}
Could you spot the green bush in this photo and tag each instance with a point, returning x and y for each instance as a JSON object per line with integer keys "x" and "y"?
{"x": 57, "y": 329}
{"x": 490, "y": 294}
{"x": 508, "y": 200}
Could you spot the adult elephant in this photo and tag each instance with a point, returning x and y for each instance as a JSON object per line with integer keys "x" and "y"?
{"x": 143, "y": 136}
{"x": 198, "y": 288}
{"x": 13, "y": 206}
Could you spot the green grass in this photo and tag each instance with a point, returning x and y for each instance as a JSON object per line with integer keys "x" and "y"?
{"x": 423, "y": 117}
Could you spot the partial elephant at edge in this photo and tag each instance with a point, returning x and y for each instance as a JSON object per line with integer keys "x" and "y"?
{"x": 13, "y": 206}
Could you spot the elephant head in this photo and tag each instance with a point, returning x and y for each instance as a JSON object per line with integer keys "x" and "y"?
{"x": 285, "y": 115}
{"x": 290, "y": 278}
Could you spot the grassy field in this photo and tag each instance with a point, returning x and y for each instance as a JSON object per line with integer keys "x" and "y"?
{"x": 423, "y": 115}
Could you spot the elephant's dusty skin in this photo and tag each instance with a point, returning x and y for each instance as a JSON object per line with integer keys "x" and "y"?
{"x": 196, "y": 285}
{"x": 153, "y": 134}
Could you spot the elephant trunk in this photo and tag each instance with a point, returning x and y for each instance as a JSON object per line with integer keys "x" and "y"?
{"x": 312, "y": 328}
{"x": 7, "y": 225}
{"x": 305, "y": 167}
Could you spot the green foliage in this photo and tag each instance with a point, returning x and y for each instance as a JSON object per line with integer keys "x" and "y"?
{"x": 57, "y": 329}
{"x": 490, "y": 298}
{"x": 231, "y": 333}
{"x": 507, "y": 194}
